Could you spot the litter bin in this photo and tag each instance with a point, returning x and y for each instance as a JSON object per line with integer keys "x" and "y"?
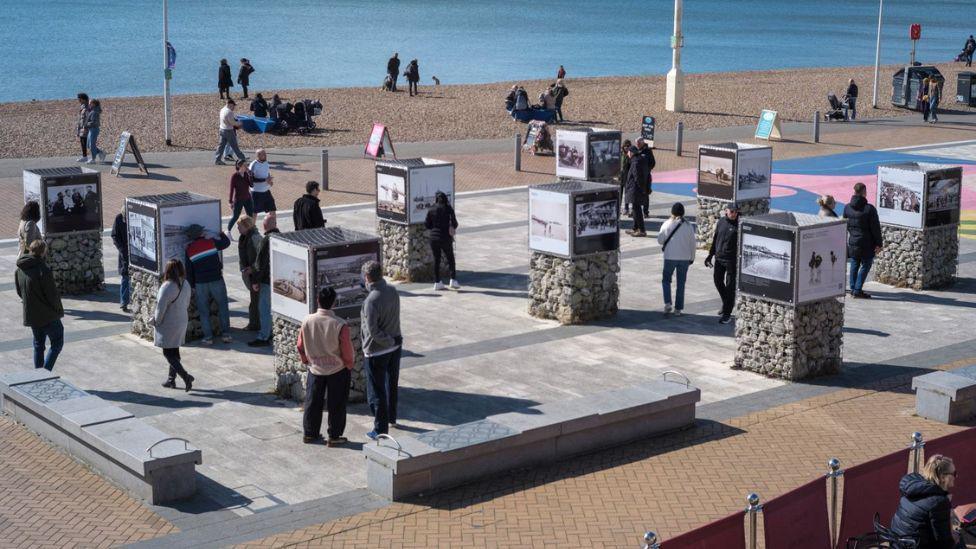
{"x": 904, "y": 90}
{"x": 966, "y": 88}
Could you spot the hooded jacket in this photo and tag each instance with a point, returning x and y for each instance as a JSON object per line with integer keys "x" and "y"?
{"x": 38, "y": 292}
{"x": 923, "y": 513}
{"x": 307, "y": 214}
{"x": 863, "y": 228}
{"x": 725, "y": 242}
{"x": 223, "y": 77}
{"x": 440, "y": 220}
{"x": 93, "y": 120}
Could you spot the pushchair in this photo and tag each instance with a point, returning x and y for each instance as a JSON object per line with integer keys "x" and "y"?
{"x": 297, "y": 117}
{"x": 836, "y": 111}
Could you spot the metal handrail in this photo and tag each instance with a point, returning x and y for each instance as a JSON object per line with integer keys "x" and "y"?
{"x": 399, "y": 448}
{"x": 186, "y": 444}
{"x": 664, "y": 376}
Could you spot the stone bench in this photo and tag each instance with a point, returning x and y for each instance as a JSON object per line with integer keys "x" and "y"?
{"x": 448, "y": 457}
{"x": 948, "y": 397}
{"x": 146, "y": 461}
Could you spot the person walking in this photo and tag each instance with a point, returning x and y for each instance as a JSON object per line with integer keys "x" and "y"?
{"x": 262, "y": 282}
{"x": 393, "y": 70}
{"x": 561, "y": 73}
{"x": 261, "y": 183}
{"x": 850, "y": 101}
{"x": 827, "y": 205}
{"x": 646, "y": 152}
{"x": 248, "y": 247}
{"x": 863, "y": 239}
{"x": 560, "y": 92}
{"x": 325, "y": 347}
{"x": 244, "y": 76}
{"x": 169, "y": 320}
{"x": 306, "y": 213}
{"x": 413, "y": 77}
{"x": 935, "y": 94}
{"x": 240, "y": 194}
{"x": 80, "y": 126}
{"x": 969, "y": 49}
{"x": 624, "y": 170}
{"x": 120, "y": 237}
{"x": 42, "y": 307}
{"x": 442, "y": 224}
{"x": 382, "y": 344}
{"x": 228, "y": 133}
{"x": 636, "y": 189}
{"x": 93, "y": 124}
{"x": 922, "y": 99}
{"x": 27, "y": 230}
{"x": 677, "y": 240}
{"x": 725, "y": 250}
{"x": 924, "y": 510}
{"x": 204, "y": 272}
{"x": 224, "y": 81}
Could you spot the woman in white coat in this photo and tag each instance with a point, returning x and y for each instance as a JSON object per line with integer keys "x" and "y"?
{"x": 170, "y": 319}
{"x": 677, "y": 240}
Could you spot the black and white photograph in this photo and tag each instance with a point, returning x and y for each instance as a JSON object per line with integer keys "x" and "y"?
{"x": 391, "y": 198}
{"x": 944, "y": 193}
{"x": 596, "y": 218}
{"x": 73, "y": 208}
{"x": 175, "y": 220}
{"x": 900, "y": 197}
{"x": 753, "y": 170}
{"x": 822, "y": 262}
{"x": 142, "y": 236}
{"x": 604, "y": 158}
{"x": 549, "y": 222}
{"x": 571, "y": 155}
{"x": 289, "y": 277}
{"x": 764, "y": 257}
{"x": 715, "y": 169}
{"x": 344, "y": 274}
{"x": 424, "y": 185}
{"x": 32, "y": 192}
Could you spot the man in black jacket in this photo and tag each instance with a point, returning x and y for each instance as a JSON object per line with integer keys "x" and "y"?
{"x": 262, "y": 282}
{"x": 306, "y": 212}
{"x": 646, "y": 152}
{"x": 863, "y": 239}
{"x": 42, "y": 304}
{"x": 247, "y": 251}
{"x": 725, "y": 250}
{"x": 120, "y": 237}
{"x": 636, "y": 189}
{"x": 850, "y": 100}
{"x": 393, "y": 69}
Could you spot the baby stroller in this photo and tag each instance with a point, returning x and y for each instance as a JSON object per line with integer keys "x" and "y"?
{"x": 836, "y": 111}
{"x": 297, "y": 117}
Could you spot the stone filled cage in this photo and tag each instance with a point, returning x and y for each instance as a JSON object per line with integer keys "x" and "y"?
{"x": 70, "y": 198}
{"x": 591, "y": 154}
{"x": 734, "y": 172}
{"x": 157, "y": 225}
{"x": 573, "y": 218}
{"x": 405, "y": 188}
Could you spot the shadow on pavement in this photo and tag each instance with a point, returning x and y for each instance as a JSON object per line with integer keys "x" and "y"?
{"x": 453, "y": 408}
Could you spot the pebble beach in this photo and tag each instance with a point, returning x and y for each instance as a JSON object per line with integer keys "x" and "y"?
{"x": 453, "y": 112}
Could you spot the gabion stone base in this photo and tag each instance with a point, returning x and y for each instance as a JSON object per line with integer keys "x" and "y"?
{"x": 406, "y": 252}
{"x": 573, "y": 291}
{"x": 76, "y": 261}
{"x": 143, "y": 288}
{"x": 918, "y": 259}
{"x": 778, "y": 340}
{"x": 711, "y": 209}
{"x": 291, "y": 374}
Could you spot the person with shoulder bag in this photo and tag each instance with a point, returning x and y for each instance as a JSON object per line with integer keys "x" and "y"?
{"x": 677, "y": 239}
{"x": 169, "y": 321}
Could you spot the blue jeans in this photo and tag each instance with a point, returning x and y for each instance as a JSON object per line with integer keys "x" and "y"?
{"x": 670, "y": 266}
{"x": 93, "y": 149}
{"x": 218, "y": 291}
{"x": 264, "y": 311}
{"x": 859, "y": 269}
{"x": 124, "y": 291}
{"x": 378, "y": 370}
{"x": 228, "y": 138}
{"x": 933, "y": 107}
{"x": 55, "y": 332}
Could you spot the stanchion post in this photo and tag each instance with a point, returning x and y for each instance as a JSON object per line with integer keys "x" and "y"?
{"x": 833, "y": 473}
{"x": 679, "y": 138}
{"x": 917, "y": 445}
{"x": 650, "y": 541}
{"x": 753, "y": 510}
{"x": 518, "y": 152}
{"x": 325, "y": 169}
{"x": 816, "y": 127}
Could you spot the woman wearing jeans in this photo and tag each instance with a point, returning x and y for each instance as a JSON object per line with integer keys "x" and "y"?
{"x": 93, "y": 122}
{"x": 677, "y": 239}
{"x": 240, "y": 194}
{"x": 170, "y": 319}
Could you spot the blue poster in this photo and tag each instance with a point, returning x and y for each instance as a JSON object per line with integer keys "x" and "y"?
{"x": 766, "y": 124}
{"x": 170, "y": 56}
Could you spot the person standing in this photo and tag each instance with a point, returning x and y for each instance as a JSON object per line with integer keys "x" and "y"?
{"x": 306, "y": 213}
{"x": 248, "y": 247}
{"x": 935, "y": 94}
{"x": 624, "y": 170}
{"x": 922, "y": 99}
{"x": 244, "y": 75}
{"x": 261, "y": 183}
{"x": 677, "y": 240}
{"x": 561, "y": 73}
{"x": 725, "y": 250}
{"x": 80, "y": 126}
{"x": 413, "y": 77}
{"x": 850, "y": 101}
{"x": 204, "y": 272}
{"x": 41, "y": 303}
{"x": 120, "y": 237}
{"x": 93, "y": 124}
{"x": 969, "y": 49}
{"x": 560, "y": 92}
{"x": 381, "y": 348}
{"x": 228, "y": 133}
{"x": 827, "y": 204}
{"x": 393, "y": 70}
{"x": 224, "y": 81}
{"x": 863, "y": 239}
{"x": 646, "y": 152}
{"x": 442, "y": 223}
{"x": 262, "y": 282}
{"x": 324, "y": 345}
{"x": 27, "y": 230}
{"x": 170, "y": 318}
{"x": 636, "y": 189}
{"x": 925, "y": 508}
{"x": 240, "y": 194}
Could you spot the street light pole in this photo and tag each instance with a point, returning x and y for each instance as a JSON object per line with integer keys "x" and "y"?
{"x": 674, "y": 97}
{"x": 877, "y": 57}
{"x": 167, "y": 120}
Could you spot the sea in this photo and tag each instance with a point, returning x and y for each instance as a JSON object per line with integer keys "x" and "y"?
{"x": 55, "y": 48}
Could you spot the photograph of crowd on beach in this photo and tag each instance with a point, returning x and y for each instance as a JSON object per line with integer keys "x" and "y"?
{"x": 344, "y": 274}
{"x": 899, "y": 198}
{"x": 142, "y": 236}
{"x": 549, "y": 222}
{"x": 942, "y": 201}
{"x": 823, "y": 262}
{"x": 766, "y": 261}
{"x": 596, "y": 228}
{"x": 604, "y": 158}
{"x": 715, "y": 168}
{"x": 73, "y": 208}
{"x": 175, "y": 220}
{"x": 571, "y": 154}
{"x": 424, "y": 185}
{"x": 753, "y": 170}
{"x": 391, "y": 198}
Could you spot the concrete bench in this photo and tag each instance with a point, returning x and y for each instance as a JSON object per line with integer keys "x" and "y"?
{"x": 146, "y": 461}
{"x": 948, "y": 397}
{"x": 440, "y": 459}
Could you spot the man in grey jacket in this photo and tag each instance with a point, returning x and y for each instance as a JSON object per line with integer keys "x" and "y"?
{"x": 381, "y": 348}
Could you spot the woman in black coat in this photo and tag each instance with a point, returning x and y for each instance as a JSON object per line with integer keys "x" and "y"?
{"x": 924, "y": 509}
{"x": 413, "y": 77}
{"x": 442, "y": 223}
{"x": 244, "y": 75}
{"x": 224, "y": 80}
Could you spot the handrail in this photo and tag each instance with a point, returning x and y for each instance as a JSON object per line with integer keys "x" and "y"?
{"x": 186, "y": 444}
{"x": 664, "y": 376}
{"x": 399, "y": 448}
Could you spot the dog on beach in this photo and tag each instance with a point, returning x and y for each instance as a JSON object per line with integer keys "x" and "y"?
{"x": 437, "y": 81}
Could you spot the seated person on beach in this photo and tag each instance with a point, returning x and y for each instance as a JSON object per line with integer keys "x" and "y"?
{"x": 259, "y": 106}
{"x": 275, "y": 103}
{"x": 510, "y": 98}
{"x": 521, "y": 99}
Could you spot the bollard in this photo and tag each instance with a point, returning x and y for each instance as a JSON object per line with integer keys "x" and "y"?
{"x": 753, "y": 510}
{"x": 679, "y": 137}
{"x": 325, "y": 169}
{"x": 650, "y": 541}
{"x": 917, "y": 445}
{"x": 816, "y": 127}
{"x": 833, "y": 473}
{"x": 518, "y": 152}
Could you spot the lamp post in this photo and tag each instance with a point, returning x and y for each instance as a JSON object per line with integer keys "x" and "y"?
{"x": 167, "y": 74}
{"x": 674, "y": 97}
{"x": 877, "y": 57}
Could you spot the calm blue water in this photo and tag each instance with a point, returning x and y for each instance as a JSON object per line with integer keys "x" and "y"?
{"x": 55, "y": 48}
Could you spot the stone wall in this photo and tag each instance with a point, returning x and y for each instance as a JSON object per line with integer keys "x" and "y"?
{"x": 290, "y": 373}
{"x": 779, "y": 340}
{"x": 918, "y": 259}
{"x": 76, "y": 260}
{"x": 711, "y": 209}
{"x": 406, "y": 252}
{"x": 573, "y": 291}
{"x": 143, "y": 289}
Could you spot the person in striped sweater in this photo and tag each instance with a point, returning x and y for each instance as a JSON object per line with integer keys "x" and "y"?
{"x": 204, "y": 272}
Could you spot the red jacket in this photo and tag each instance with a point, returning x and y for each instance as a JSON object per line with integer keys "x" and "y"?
{"x": 240, "y": 187}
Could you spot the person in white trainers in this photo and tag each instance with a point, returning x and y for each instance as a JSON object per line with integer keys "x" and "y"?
{"x": 677, "y": 240}
{"x": 442, "y": 224}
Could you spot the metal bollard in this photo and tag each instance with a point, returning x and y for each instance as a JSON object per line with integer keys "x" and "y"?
{"x": 650, "y": 541}
{"x": 518, "y": 152}
{"x": 325, "y": 169}
{"x": 753, "y": 510}
{"x": 816, "y": 127}
{"x": 917, "y": 445}
{"x": 833, "y": 473}
{"x": 679, "y": 137}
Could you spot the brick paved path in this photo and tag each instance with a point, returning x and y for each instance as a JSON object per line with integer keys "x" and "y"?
{"x": 49, "y": 500}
